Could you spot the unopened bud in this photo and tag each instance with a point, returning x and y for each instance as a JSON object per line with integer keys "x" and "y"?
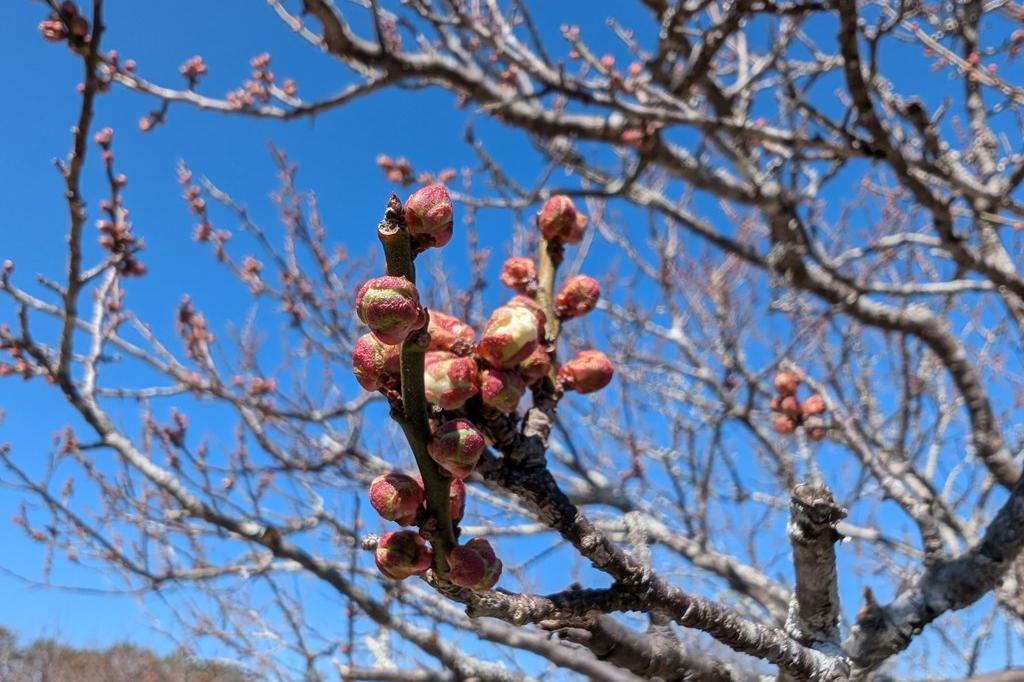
{"x": 428, "y": 215}
{"x": 509, "y": 337}
{"x": 578, "y": 296}
{"x": 390, "y": 307}
{"x": 784, "y": 424}
{"x": 449, "y": 380}
{"x": 814, "y": 405}
{"x": 519, "y": 274}
{"x": 401, "y": 554}
{"x": 375, "y": 364}
{"x": 786, "y": 383}
{"x": 501, "y": 389}
{"x": 474, "y": 565}
{"x": 589, "y": 371}
{"x": 450, "y": 334}
{"x": 456, "y": 446}
{"x": 396, "y": 497}
{"x": 557, "y": 220}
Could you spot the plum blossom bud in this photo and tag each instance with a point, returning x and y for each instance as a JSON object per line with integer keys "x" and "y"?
{"x": 535, "y": 367}
{"x": 501, "y": 389}
{"x": 786, "y": 383}
{"x": 789, "y": 405}
{"x": 456, "y": 446}
{"x": 428, "y": 215}
{"x": 519, "y": 274}
{"x": 784, "y": 424}
{"x": 449, "y": 380}
{"x": 509, "y": 337}
{"x": 401, "y": 554}
{"x": 474, "y": 565}
{"x": 589, "y": 371}
{"x": 390, "y": 307}
{"x": 396, "y": 497}
{"x": 375, "y": 364}
{"x": 814, "y": 405}
{"x": 53, "y": 30}
{"x": 450, "y": 334}
{"x": 817, "y": 433}
{"x": 557, "y": 220}
{"x": 578, "y": 296}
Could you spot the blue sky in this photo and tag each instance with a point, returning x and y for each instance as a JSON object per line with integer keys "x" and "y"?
{"x": 336, "y": 154}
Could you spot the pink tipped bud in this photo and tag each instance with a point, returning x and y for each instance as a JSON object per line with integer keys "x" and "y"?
{"x": 786, "y": 383}
{"x": 519, "y": 274}
{"x": 784, "y": 424}
{"x": 390, "y": 307}
{"x": 501, "y": 389}
{"x": 456, "y": 446}
{"x": 396, "y": 497}
{"x": 401, "y": 554}
{"x": 557, "y": 220}
{"x": 53, "y": 30}
{"x": 449, "y": 380}
{"x": 589, "y": 371}
{"x": 474, "y": 565}
{"x": 509, "y": 337}
{"x": 450, "y": 334}
{"x": 376, "y": 365}
{"x": 578, "y": 296}
{"x": 428, "y": 215}
{"x": 814, "y": 405}
{"x": 817, "y": 433}
{"x": 535, "y": 367}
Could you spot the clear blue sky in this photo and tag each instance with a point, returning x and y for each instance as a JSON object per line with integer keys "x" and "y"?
{"x": 336, "y": 155}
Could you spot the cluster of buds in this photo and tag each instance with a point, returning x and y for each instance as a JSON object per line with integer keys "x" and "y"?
{"x": 396, "y": 170}
{"x": 67, "y": 23}
{"x": 790, "y": 413}
{"x": 193, "y": 69}
{"x": 115, "y": 230}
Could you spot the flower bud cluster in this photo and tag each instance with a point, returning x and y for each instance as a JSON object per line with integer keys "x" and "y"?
{"x": 791, "y": 413}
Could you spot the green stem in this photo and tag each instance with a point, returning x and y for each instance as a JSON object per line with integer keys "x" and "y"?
{"x": 415, "y": 410}
{"x": 551, "y": 255}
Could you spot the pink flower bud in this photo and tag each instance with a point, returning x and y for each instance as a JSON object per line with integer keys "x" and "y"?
{"x": 401, "y": 554}
{"x": 396, "y": 497}
{"x": 789, "y": 405}
{"x": 578, "y": 296}
{"x": 428, "y": 215}
{"x": 536, "y": 366}
{"x": 509, "y": 337}
{"x": 557, "y": 220}
{"x": 450, "y": 334}
{"x": 519, "y": 274}
{"x": 786, "y": 383}
{"x": 817, "y": 433}
{"x": 814, "y": 405}
{"x": 449, "y": 380}
{"x": 376, "y": 365}
{"x": 53, "y": 30}
{"x": 390, "y": 307}
{"x": 474, "y": 565}
{"x": 784, "y": 424}
{"x": 456, "y": 446}
{"x": 589, "y": 371}
{"x": 501, "y": 389}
